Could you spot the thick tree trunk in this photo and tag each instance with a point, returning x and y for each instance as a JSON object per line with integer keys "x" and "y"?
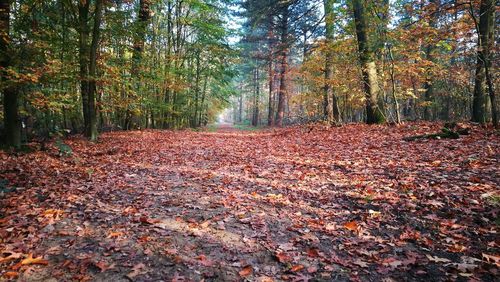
{"x": 12, "y": 121}
{"x": 483, "y": 78}
{"x": 91, "y": 129}
{"x": 330, "y": 101}
{"x": 140, "y": 35}
{"x": 284, "y": 68}
{"x": 84, "y": 58}
{"x": 369, "y": 69}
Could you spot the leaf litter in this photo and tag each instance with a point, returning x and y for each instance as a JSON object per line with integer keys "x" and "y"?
{"x": 347, "y": 203}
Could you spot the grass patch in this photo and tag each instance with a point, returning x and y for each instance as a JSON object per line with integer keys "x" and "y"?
{"x": 247, "y": 127}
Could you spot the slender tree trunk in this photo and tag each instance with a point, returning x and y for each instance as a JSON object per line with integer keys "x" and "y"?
{"x": 197, "y": 90}
{"x": 168, "y": 91}
{"x": 270, "y": 111}
{"x": 429, "y": 56}
{"x": 369, "y": 69}
{"x": 12, "y": 121}
{"x": 255, "y": 115}
{"x": 283, "y": 92}
{"x": 393, "y": 84}
{"x": 202, "y": 105}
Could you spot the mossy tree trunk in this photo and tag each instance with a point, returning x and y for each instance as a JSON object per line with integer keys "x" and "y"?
{"x": 369, "y": 69}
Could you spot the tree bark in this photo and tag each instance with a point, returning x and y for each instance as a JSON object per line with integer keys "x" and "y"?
{"x": 429, "y": 49}
{"x": 270, "y": 111}
{"x": 284, "y": 67}
{"x": 12, "y": 121}
{"x": 483, "y": 78}
{"x": 255, "y": 115}
{"x": 91, "y": 131}
{"x": 369, "y": 69}
{"x": 140, "y": 35}
{"x": 84, "y": 58}
{"x": 330, "y": 101}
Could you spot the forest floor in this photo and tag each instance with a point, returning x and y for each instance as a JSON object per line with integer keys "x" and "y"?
{"x": 296, "y": 204}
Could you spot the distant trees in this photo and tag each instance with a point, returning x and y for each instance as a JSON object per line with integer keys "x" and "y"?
{"x": 364, "y": 56}
{"x": 96, "y": 65}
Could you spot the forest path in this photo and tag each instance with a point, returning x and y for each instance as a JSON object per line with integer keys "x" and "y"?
{"x": 354, "y": 202}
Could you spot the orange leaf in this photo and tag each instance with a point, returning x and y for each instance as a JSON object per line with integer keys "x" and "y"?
{"x": 246, "y": 271}
{"x": 115, "y": 234}
{"x": 352, "y": 225}
{"x": 30, "y": 260}
{"x": 297, "y": 268}
{"x": 283, "y": 258}
{"x": 11, "y": 274}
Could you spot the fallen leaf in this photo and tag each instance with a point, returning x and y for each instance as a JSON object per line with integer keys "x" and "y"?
{"x": 492, "y": 259}
{"x": 297, "y": 268}
{"x": 30, "y": 260}
{"x": 11, "y": 274}
{"x": 136, "y": 270}
{"x": 352, "y": 225}
{"x": 115, "y": 234}
{"x": 283, "y": 257}
{"x": 10, "y": 257}
{"x": 246, "y": 271}
{"x": 437, "y": 259}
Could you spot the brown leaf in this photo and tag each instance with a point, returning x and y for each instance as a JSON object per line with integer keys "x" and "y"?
{"x": 136, "y": 270}
{"x": 10, "y": 257}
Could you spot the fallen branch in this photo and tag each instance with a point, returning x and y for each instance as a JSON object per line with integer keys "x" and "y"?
{"x": 449, "y": 131}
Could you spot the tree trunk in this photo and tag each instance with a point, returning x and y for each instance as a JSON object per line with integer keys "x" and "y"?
{"x": 429, "y": 56}
{"x": 393, "y": 86}
{"x": 330, "y": 101}
{"x": 255, "y": 115}
{"x": 485, "y": 30}
{"x": 369, "y": 69}
{"x": 12, "y": 122}
{"x": 91, "y": 129}
{"x": 270, "y": 111}
{"x": 284, "y": 67}
{"x": 140, "y": 35}
{"x": 84, "y": 58}
{"x": 197, "y": 91}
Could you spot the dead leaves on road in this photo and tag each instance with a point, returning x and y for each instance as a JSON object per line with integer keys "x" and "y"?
{"x": 354, "y": 202}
